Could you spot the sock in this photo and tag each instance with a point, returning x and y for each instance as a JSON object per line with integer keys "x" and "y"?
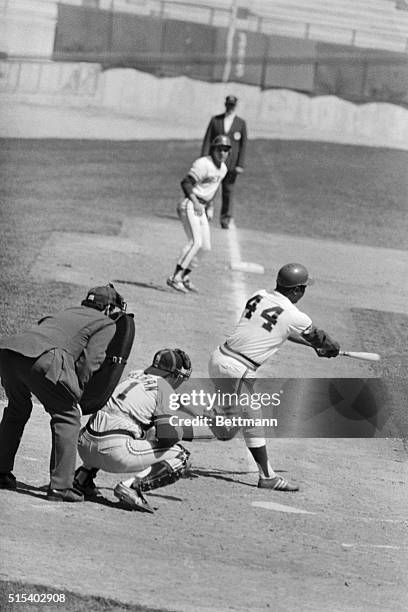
{"x": 178, "y": 273}
{"x": 261, "y": 457}
{"x": 186, "y": 273}
{"x": 84, "y": 473}
{"x": 134, "y": 480}
{"x": 144, "y": 472}
{"x": 128, "y": 482}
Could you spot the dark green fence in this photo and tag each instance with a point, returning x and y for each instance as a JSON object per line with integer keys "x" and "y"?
{"x": 169, "y": 47}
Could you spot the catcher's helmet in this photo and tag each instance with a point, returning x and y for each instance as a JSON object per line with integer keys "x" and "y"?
{"x": 171, "y": 361}
{"x": 293, "y": 275}
{"x": 221, "y": 141}
{"x": 103, "y": 297}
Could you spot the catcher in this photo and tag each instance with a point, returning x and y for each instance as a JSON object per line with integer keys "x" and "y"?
{"x": 132, "y": 433}
{"x": 268, "y": 320}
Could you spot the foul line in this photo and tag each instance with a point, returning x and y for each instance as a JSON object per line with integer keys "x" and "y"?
{"x": 239, "y": 298}
{"x": 239, "y": 289}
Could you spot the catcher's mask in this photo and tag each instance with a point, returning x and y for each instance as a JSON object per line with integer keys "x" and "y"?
{"x": 104, "y": 298}
{"x": 171, "y": 361}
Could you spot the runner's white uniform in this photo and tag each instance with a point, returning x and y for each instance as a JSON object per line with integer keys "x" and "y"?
{"x": 118, "y": 442}
{"x": 208, "y": 179}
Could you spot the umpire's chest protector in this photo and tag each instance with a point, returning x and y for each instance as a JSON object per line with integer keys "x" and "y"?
{"x": 104, "y": 381}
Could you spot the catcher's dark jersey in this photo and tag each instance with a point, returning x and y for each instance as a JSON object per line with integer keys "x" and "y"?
{"x": 78, "y": 338}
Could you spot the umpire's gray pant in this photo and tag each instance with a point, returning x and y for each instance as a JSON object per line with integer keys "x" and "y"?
{"x": 22, "y": 376}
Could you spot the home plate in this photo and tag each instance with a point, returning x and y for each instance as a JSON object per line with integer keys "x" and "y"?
{"x": 247, "y": 266}
{"x": 279, "y": 507}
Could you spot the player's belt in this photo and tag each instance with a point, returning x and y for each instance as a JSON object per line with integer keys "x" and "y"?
{"x": 111, "y": 432}
{"x": 250, "y": 363}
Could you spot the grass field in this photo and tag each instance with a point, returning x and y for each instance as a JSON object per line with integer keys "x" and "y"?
{"x": 318, "y": 190}
{"x": 331, "y": 198}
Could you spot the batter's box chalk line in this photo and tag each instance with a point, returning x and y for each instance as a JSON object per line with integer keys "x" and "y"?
{"x": 247, "y": 266}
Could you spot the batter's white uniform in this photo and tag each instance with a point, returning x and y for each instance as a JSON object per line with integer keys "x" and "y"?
{"x": 265, "y": 324}
{"x": 208, "y": 178}
{"x": 117, "y": 438}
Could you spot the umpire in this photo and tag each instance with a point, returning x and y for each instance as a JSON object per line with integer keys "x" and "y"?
{"x": 53, "y": 361}
{"x": 235, "y": 128}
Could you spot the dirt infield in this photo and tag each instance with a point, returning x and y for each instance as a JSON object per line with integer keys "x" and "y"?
{"x": 215, "y": 542}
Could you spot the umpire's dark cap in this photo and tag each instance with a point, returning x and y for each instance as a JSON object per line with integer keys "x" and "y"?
{"x": 166, "y": 361}
{"x": 231, "y": 100}
{"x": 101, "y": 297}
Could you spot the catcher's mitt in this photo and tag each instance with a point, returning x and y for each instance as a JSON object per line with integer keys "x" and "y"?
{"x": 103, "y": 382}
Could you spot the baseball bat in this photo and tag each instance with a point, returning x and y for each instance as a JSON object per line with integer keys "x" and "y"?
{"x": 361, "y": 355}
{"x": 353, "y": 354}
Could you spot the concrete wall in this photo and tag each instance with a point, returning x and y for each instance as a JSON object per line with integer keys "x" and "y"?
{"x": 182, "y": 107}
{"x": 268, "y": 113}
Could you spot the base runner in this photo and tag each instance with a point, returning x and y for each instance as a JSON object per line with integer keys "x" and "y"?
{"x": 195, "y": 210}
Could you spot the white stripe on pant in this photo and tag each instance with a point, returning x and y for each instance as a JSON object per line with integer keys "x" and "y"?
{"x": 231, "y": 376}
{"x": 198, "y": 232}
{"x": 119, "y": 454}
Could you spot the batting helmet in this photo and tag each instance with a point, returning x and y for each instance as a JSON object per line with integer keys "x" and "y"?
{"x": 293, "y": 275}
{"x": 221, "y": 141}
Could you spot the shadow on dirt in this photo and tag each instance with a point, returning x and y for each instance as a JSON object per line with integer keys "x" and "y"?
{"x": 143, "y": 285}
{"x": 41, "y": 493}
{"x": 220, "y": 475}
{"x": 167, "y": 216}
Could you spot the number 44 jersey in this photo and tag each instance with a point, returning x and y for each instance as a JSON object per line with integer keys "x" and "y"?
{"x": 266, "y": 323}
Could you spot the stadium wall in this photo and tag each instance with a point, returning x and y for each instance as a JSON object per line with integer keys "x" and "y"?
{"x": 181, "y": 105}
{"x": 268, "y": 112}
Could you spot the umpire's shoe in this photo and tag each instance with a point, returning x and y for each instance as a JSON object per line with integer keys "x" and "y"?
{"x": 8, "y": 481}
{"x": 276, "y": 484}
{"x": 132, "y": 497}
{"x": 64, "y": 495}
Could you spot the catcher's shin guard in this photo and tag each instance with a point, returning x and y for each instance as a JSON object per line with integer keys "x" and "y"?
{"x": 166, "y": 472}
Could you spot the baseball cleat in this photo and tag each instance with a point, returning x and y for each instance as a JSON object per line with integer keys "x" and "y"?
{"x": 8, "y": 481}
{"x": 132, "y": 497}
{"x": 178, "y": 285}
{"x": 276, "y": 484}
{"x": 84, "y": 482}
{"x": 189, "y": 285}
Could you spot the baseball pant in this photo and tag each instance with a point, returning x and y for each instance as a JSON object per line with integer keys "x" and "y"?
{"x": 22, "y": 376}
{"x": 227, "y": 192}
{"x": 230, "y": 376}
{"x": 198, "y": 232}
{"x": 121, "y": 453}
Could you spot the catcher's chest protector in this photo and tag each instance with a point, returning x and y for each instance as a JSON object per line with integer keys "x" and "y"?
{"x": 103, "y": 382}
